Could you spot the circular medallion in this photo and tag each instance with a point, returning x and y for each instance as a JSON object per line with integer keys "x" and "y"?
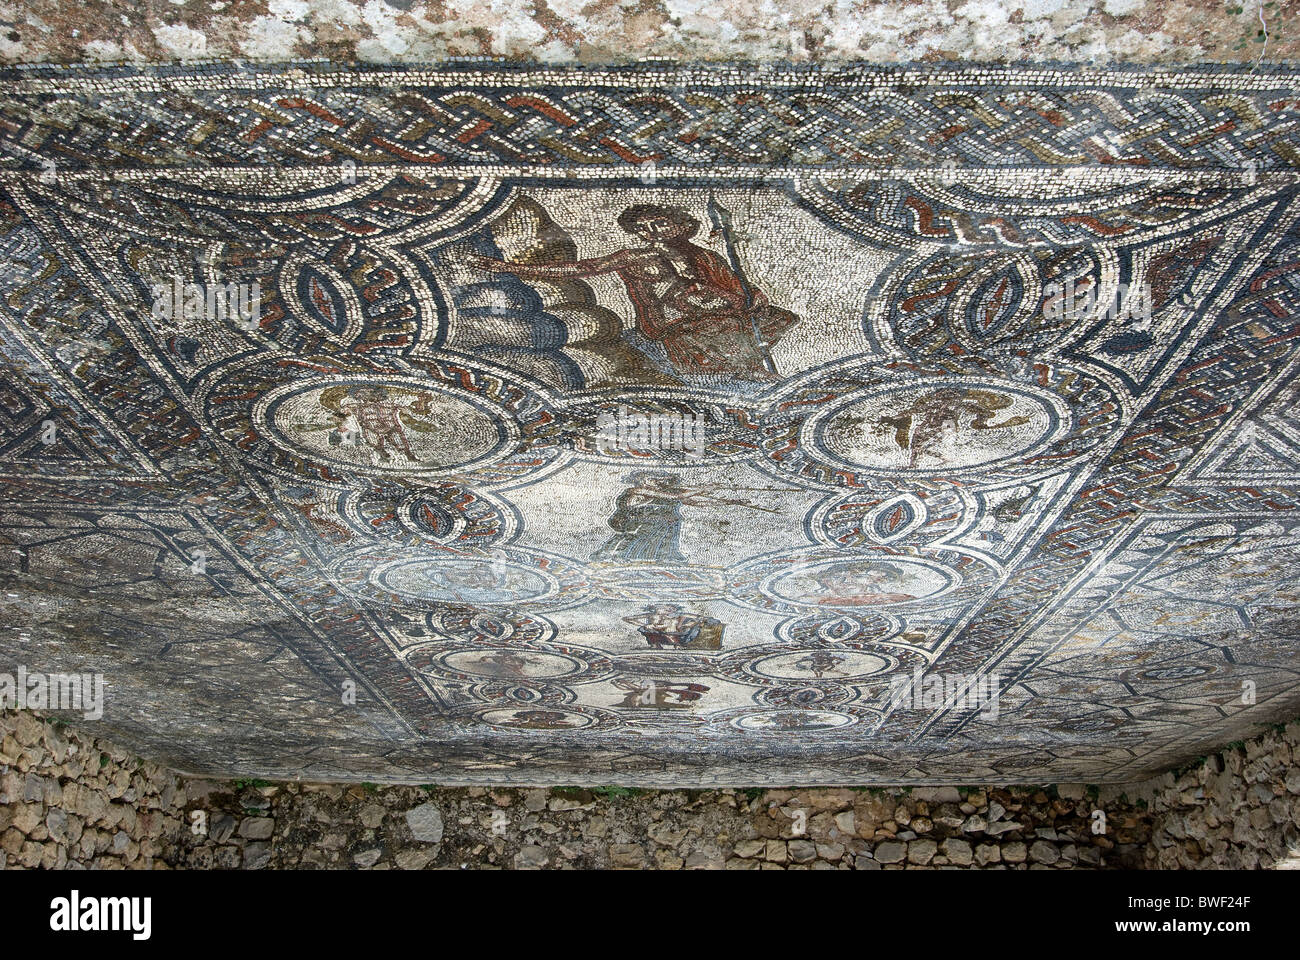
{"x": 535, "y": 718}
{"x": 792, "y": 721}
{"x": 821, "y": 665}
{"x": 384, "y": 426}
{"x": 966, "y": 421}
{"x": 846, "y": 587}
{"x": 922, "y": 429}
{"x": 494, "y": 580}
{"x": 497, "y": 663}
{"x": 447, "y": 419}
{"x": 471, "y": 582}
{"x": 862, "y": 582}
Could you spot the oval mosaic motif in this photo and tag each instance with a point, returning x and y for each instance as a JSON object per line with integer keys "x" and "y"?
{"x": 1185, "y": 672}
{"x": 463, "y": 581}
{"x": 390, "y": 427}
{"x": 442, "y": 511}
{"x": 995, "y": 303}
{"x": 915, "y": 518}
{"x": 821, "y": 665}
{"x": 839, "y": 630}
{"x": 428, "y": 516}
{"x": 493, "y": 628}
{"x": 792, "y": 721}
{"x": 894, "y": 519}
{"x": 923, "y": 428}
{"x": 834, "y": 628}
{"x": 865, "y": 582}
{"x": 323, "y": 298}
{"x": 536, "y": 718}
{"x": 497, "y": 663}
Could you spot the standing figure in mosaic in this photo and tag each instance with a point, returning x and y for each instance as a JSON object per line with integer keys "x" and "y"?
{"x": 376, "y": 414}
{"x": 647, "y": 519}
{"x": 376, "y": 418}
{"x": 706, "y": 316}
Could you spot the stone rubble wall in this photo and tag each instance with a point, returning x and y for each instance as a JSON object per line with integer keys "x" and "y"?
{"x": 74, "y": 801}
{"x": 70, "y": 800}
{"x": 1238, "y": 809}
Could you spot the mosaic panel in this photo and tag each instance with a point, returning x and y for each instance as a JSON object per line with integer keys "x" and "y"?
{"x": 657, "y": 425}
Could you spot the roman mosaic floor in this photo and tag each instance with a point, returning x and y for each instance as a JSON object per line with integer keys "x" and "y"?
{"x": 655, "y": 425}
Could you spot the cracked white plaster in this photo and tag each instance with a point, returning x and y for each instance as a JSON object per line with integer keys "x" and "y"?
{"x": 1040, "y": 9}
{"x": 1122, "y": 8}
{"x": 388, "y": 39}
{"x": 290, "y": 10}
{"x": 180, "y": 41}
{"x": 271, "y": 38}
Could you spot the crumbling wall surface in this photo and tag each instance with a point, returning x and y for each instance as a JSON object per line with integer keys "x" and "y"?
{"x": 565, "y": 31}
{"x": 1238, "y": 809}
{"x": 68, "y": 800}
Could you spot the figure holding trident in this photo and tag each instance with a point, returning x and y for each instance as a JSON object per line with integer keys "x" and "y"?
{"x": 711, "y": 322}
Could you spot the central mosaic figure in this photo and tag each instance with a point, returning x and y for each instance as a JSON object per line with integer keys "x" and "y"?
{"x": 647, "y": 519}
{"x": 669, "y": 625}
{"x": 699, "y": 306}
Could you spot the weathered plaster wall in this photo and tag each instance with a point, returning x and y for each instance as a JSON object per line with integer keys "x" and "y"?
{"x": 556, "y": 31}
{"x": 68, "y": 800}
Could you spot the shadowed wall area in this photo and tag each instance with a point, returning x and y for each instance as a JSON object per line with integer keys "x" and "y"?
{"x": 67, "y": 800}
